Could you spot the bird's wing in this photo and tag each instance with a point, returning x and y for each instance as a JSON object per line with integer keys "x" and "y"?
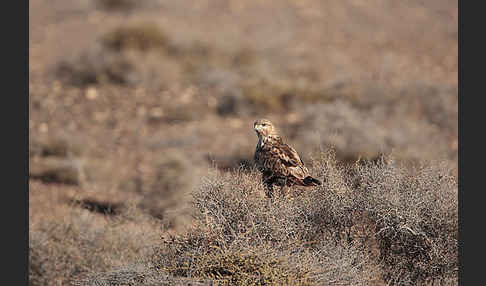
{"x": 283, "y": 160}
{"x": 288, "y": 156}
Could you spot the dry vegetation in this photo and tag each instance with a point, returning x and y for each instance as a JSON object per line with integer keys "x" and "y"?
{"x": 140, "y": 142}
{"x": 371, "y": 223}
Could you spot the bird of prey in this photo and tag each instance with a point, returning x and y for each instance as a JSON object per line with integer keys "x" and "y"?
{"x": 278, "y": 162}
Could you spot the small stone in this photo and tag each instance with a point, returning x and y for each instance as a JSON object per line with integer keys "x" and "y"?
{"x": 91, "y": 93}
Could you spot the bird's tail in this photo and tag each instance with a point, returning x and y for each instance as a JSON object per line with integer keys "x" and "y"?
{"x": 309, "y": 181}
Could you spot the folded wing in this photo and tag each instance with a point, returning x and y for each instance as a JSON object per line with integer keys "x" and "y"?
{"x": 288, "y": 161}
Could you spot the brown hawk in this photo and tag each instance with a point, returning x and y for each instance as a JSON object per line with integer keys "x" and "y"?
{"x": 278, "y": 162}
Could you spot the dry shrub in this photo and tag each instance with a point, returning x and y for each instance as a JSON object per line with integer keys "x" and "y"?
{"x": 141, "y": 37}
{"x": 242, "y": 238}
{"x": 416, "y": 122}
{"x": 245, "y": 95}
{"x": 141, "y": 53}
{"x": 413, "y": 214}
{"x": 125, "y": 6}
{"x": 434, "y": 104}
{"x": 204, "y": 254}
{"x": 370, "y": 222}
{"x": 57, "y": 170}
{"x": 267, "y": 97}
{"x": 285, "y": 94}
{"x": 117, "y": 5}
{"x": 56, "y": 160}
{"x": 64, "y": 159}
{"x": 416, "y": 219}
{"x": 61, "y": 250}
{"x": 96, "y": 66}
{"x": 129, "y": 55}
{"x": 166, "y": 188}
{"x": 197, "y": 256}
{"x": 138, "y": 274}
{"x": 54, "y": 146}
{"x": 211, "y": 65}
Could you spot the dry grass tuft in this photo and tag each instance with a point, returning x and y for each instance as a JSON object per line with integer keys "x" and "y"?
{"x": 96, "y": 66}
{"x": 84, "y": 242}
{"x": 56, "y": 160}
{"x": 129, "y": 55}
{"x": 55, "y": 170}
{"x": 166, "y": 190}
{"x": 141, "y": 37}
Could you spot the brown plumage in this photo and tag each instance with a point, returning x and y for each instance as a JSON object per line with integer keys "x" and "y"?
{"x": 279, "y": 163}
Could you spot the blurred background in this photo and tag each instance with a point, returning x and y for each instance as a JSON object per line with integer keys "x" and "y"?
{"x": 134, "y": 101}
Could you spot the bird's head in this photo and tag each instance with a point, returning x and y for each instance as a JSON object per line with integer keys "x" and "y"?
{"x": 264, "y": 128}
